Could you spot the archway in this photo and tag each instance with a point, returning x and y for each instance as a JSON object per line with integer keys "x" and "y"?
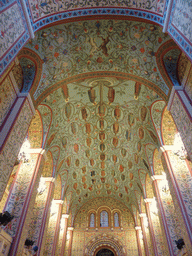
{"x": 105, "y": 251}
{"x": 104, "y": 245}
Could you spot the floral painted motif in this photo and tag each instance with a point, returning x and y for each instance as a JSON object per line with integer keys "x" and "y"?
{"x": 11, "y": 148}
{"x": 156, "y": 114}
{"x": 183, "y": 122}
{"x": 7, "y": 97}
{"x": 11, "y": 26}
{"x": 182, "y": 17}
{"x": 105, "y": 45}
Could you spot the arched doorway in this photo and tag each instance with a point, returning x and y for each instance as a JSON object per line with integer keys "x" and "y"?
{"x": 105, "y": 252}
{"x": 104, "y": 245}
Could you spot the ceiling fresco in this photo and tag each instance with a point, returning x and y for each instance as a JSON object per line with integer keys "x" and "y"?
{"x": 101, "y": 126}
{"x": 71, "y": 49}
{"x": 100, "y": 96}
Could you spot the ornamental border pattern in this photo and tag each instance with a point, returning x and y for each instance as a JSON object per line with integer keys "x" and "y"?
{"x": 95, "y": 12}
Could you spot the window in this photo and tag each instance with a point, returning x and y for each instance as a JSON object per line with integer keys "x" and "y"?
{"x": 92, "y": 220}
{"x": 104, "y": 220}
{"x": 116, "y": 220}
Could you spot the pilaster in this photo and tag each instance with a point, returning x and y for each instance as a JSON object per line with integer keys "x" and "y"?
{"x": 70, "y": 230}
{"x": 12, "y": 134}
{"x": 22, "y": 198}
{"x": 65, "y": 223}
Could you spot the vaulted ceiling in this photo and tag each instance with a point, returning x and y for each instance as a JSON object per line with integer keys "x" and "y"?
{"x": 100, "y": 79}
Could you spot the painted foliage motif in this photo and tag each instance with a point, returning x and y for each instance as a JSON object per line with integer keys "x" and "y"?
{"x": 108, "y": 123}
{"x": 156, "y": 114}
{"x": 82, "y": 238}
{"x": 12, "y": 28}
{"x": 11, "y": 149}
{"x": 19, "y": 193}
{"x": 182, "y": 17}
{"x": 183, "y": 123}
{"x": 104, "y": 45}
{"x": 7, "y": 97}
{"x": 40, "y": 9}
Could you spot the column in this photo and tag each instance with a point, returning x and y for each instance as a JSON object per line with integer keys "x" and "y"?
{"x": 157, "y": 235}
{"x": 53, "y": 227}
{"x": 180, "y": 106}
{"x": 138, "y": 235}
{"x": 41, "y": 210}
{"x": 57, "y": 228}
{"x": 146, "y": 240}
{"x": 22, "y": 198}
{"x": 180, "y": 185}
{"x": 70, "y": 230}
{"x": 64, "y": 224}
{"x": 168, "y": 220}
{"x": 147, "y": 204}
{"x": 12, "y": 133}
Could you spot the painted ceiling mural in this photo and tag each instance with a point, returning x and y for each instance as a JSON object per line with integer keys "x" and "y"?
{"x": 43, "y": 8}
{"x": 106, "y": 45}
{"x": 97, "y": 124}
{"x": 101, "y": 126}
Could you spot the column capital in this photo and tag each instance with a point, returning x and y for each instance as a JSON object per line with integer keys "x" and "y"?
{"x": 143, "y": 215}
{"x": 157, "y": 177}
{"x": 148, "y": 200}
{"x": 70, "y": 228}
{"x": 65, "y": 216}
{"x": 137, "y": 227}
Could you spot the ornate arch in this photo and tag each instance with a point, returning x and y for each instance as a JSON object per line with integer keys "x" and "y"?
{"x": 104, "y": 241}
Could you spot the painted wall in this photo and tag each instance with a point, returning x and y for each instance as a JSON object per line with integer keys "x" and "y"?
{"x": 82, "y": 237}
{"x": 14, "y": 32}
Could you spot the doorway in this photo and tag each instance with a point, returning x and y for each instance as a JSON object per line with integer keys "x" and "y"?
{"x": 105, "y": 252}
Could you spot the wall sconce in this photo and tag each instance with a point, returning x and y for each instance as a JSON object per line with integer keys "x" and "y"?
{"x": 164, "y": 186}
{"x": 42, "y": 186}
{"x": 23, "y": 153}
{"x": 146, "y": 224}
{"x": 180, "y": 243}
{"x": 68, "y": 235}
{"x": 179, "y": 148}
{"x": 53, "y": 208}
{"x": 141, "y": 235}
{"x": 153, "y": 207}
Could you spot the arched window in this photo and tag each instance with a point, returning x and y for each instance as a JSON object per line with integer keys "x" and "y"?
{"x": 92, "y": 220}
{"x": 104, "y": 219}
{"x": 116, "y": 220}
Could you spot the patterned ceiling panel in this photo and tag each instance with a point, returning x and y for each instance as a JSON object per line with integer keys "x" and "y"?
{"x": 71, "y": 49}
{"x": 101, "y": 126}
